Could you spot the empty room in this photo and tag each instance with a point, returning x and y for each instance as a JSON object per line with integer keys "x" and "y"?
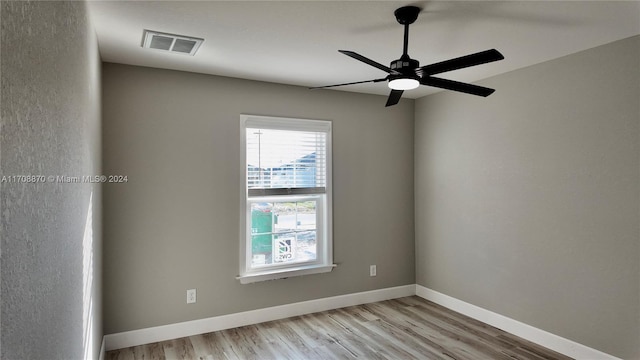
{"x": 319, "y": 180}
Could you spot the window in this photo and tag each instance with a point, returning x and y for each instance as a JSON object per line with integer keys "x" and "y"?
{"x": 286, "y": 198}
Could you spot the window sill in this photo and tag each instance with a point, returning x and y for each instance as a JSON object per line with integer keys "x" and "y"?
{"x": 284, "y": 273}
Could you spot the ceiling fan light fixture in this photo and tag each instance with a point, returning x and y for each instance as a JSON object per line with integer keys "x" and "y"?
{"x": 404, "y": 84}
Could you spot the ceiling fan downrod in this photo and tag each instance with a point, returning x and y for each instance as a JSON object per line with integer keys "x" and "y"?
{"x": 406, "y": 16}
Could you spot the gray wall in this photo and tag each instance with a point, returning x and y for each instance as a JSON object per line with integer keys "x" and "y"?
{"x": 174, "y": 225}
{"x": 528, "y": 202}
{"x": 50, "y": 263}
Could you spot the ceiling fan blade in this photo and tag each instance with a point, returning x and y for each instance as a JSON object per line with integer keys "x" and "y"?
{"x": 368, "y": 61}
{"x": 456, "y": 86}
{"x": 350, "y": 83}
{"x": 394, "y": 97}
{"x": 482, "y": 57}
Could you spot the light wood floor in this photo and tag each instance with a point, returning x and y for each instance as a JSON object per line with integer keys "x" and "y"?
{"x": 405, "y": 328}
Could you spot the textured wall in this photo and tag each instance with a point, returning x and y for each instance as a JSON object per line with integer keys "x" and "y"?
{"x": 174, "y": 225}
{"x": 50, "y": 260}
{"x": 528, "y": 201}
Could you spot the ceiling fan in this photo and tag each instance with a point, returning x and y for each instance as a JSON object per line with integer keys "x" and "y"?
{"x": 406, "y": 73}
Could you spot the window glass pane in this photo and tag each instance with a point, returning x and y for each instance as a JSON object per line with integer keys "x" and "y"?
{"x": 283, "y": 232}
{"x": 261, "y": 233}
{"x": 285, "y": 159}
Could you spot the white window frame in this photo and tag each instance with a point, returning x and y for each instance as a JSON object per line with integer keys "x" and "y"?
{"x": 324, "y": 230}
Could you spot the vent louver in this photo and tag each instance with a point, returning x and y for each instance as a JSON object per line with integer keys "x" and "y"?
{"x": 174, "y": 43}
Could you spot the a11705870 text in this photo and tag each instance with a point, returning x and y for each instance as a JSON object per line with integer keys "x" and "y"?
{"x": 63, "y": 179}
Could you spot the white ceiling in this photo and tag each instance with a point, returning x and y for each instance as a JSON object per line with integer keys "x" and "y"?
{"x": 296, "y": 42}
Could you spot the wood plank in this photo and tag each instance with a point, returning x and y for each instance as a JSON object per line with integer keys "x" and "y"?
{"x": 476, "y": 345}
{"x": 387, "y": 349}
{"x": 183, "y": 349}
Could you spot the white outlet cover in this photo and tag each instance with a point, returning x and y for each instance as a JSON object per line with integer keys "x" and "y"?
{"x": 372, "y": 270}
{"x": 191, "y": 296}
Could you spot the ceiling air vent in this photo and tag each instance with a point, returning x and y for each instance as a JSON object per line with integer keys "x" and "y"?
{"x": 178, "y": 44}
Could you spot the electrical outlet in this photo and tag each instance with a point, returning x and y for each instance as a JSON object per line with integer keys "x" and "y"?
{"x": 191, "y": 296}
{"x": 372, "y": 270}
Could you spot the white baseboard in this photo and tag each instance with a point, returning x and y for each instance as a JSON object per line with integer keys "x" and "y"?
{"x": 201, "y": 326}
{"x": 528, "y": 332}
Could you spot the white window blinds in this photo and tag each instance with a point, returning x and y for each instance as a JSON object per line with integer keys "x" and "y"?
{"x": 281, "y": 162}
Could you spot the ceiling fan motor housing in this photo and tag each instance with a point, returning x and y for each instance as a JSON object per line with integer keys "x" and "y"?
{"x": 405, "y": 65}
